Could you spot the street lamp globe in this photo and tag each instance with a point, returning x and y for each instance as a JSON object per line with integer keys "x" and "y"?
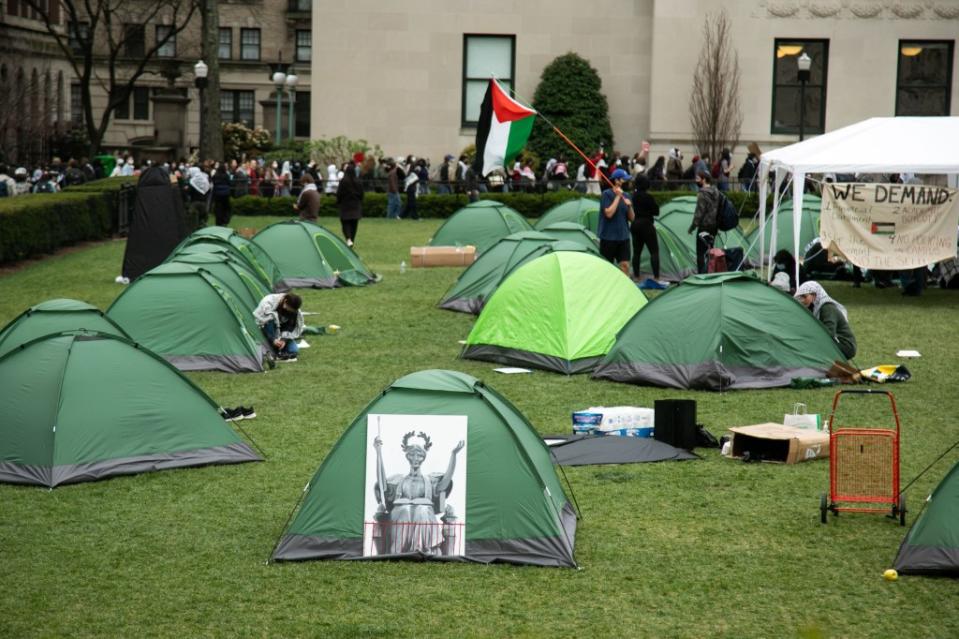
{"x": 804, "y": 62}
{"x": 200, "y": 70}
{"x": 291, "y": 80}
{"x": 279, "y": 78}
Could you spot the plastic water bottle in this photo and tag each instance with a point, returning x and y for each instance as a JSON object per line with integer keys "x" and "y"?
{"x": 403, "y": 266}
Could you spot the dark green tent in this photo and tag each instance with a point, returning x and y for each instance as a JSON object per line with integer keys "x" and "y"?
{"x": 808, "y": 227}
{"x": 309, "y": 256}
{"x": 246, "y": 249}
{"x": 474, "y": 285}
{"x": 572, "y": 232}
{"x": 582, "y": 210}
{"x": 80, "y": 406}
{"x": 677, "y": 214}
{"x": 932, "y": 544}
{"x": 717, "y": 332}
{"x": 192, "y": 319}
{"x": 558, "y": 312}
{"x": 675, "y": 261}
{"x": 515, "y": 512}
{"x": 480, "y": 226}
{"x": 248, "y": 287}
{"x": 54, "y": 316}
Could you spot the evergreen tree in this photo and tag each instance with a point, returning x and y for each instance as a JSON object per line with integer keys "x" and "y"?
{"x": 570, "y": 95}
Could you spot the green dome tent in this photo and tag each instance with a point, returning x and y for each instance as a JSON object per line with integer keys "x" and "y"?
{"x": 480, "y": 226}
{"x": 248, "y": 287}
{"x": 192, "y": 319}
{"x": 717, "y": 332}
{"x": 474, "y": 285}
{"x": 582, "y": 210}
{"x": 572, "y": 232}
{"x": 309, "y": 256}
{"x": 80, "y": 406}
{"x": 249, "y": 250}
{"x": 515, "y": 509}
{"x": 932, "y": 544}
{"x": 54, "y": 316}
{"x": 808, "y": 227}
{"x": 675, "y": 261}
{"x": 559, "y": 312}
{"x": 677, "y": 214}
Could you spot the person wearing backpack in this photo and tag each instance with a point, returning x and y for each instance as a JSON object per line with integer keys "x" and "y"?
{"x": 705, "y": 218}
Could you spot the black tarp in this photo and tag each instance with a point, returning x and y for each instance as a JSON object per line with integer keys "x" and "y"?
{"x": 586, "y": 450}
{"x": 157, "y": 226}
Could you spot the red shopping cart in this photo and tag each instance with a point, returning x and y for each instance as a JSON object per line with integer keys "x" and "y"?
{"x": 863, "y": 465}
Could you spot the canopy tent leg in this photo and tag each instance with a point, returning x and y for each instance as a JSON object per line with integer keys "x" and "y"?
{"x": 799, "y": 181}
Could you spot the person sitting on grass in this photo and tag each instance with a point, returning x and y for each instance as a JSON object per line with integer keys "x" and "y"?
{"x": 278, "y": 316}
{"x": 831, "y": 313}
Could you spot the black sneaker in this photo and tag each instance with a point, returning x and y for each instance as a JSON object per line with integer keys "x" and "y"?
{"x": 232, "y": 414}
{"x": 286, "y": 357}
{"x": 248, "y": 412}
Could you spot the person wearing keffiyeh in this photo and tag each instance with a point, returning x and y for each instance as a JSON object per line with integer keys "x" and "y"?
{"x": 830, "y": 313}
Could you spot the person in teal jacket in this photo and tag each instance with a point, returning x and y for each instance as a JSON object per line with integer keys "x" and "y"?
{"x": 831, "y": 313}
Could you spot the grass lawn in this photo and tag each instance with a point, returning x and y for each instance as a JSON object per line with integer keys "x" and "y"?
{"x": 693, "y": 549}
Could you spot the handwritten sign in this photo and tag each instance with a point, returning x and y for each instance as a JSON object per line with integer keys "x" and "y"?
{"x": 889, "y": 226}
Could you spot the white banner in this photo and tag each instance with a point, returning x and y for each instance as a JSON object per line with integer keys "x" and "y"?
{"x": 889, "y": 226}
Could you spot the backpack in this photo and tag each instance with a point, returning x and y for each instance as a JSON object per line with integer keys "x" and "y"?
{"x": 716, "y": 261}
{"x": 726, "y": 216}
{"x": 717, "y": 168}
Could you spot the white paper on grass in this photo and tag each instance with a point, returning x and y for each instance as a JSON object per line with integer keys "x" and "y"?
{"x": 908, "y": 354}
{"x": 444, "y": 433}
{"x": 510, "y": 370}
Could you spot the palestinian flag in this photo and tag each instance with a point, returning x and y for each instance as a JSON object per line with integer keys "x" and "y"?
{"x": 504, "y": 126}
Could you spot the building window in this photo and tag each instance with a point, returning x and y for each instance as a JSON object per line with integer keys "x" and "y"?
{"x": 122, "y": 112}
{"x": 485, "y": 56}
{"x": 225, "y": 48}
{"x": 76, "y": 103}
{"x": 301, "y": 5}
{"x": 237, "y": 106}
{"x": 301, "y": 110}
{"x": 304, "y": 45}
{"x": 133, "y": 37}
{"x": 924, "y": 77}
{"x": 79, "y": 35}
{"x": 249, "y": 44}
{"x": 786, "y": 87}
{"x": 167, "y": 49}
{"x": 140, "y": 98}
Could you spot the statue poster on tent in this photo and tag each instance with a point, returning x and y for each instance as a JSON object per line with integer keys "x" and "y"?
{"x": 889, "y": 226}
{"x": 415, "y": 497}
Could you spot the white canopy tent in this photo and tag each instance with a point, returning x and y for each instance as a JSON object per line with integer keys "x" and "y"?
{"x": 928, "y": 145}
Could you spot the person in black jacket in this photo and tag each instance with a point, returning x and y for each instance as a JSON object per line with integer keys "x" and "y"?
{"x": 222, "y": 188}
{"x": 643, "y": 229}
{"x": 349, "y": 199}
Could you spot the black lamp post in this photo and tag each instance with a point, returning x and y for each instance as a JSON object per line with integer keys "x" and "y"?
{"x": 804, "y": 62}
{"x": 200, "y": 71}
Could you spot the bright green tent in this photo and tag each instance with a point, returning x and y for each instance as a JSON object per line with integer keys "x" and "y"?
{"x": 479, "y": 226}
{"x": 677, "y": 214}
{"x": 192, "y": 319}
{"x": 515, "y": 512}
{"x": 80, "y": 406}
{"x": 932, "y": 544}
{"x": 582, "y": 210}
{"x": 474, "y": 285}
{"x": 54, "y": 316}
{"x": 808, "y": 227}
{"x": 717, "y": 332}
{"x": 309, "y": 256}
{"x": 572, "y": 232}
{"x": 559, "y": 312}
{"x": 248, "y": 287}
{"x": 249, "y": 250}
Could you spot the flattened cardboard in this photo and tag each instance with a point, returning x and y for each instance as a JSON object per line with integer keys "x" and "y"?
{"x": 779, "y": 443}
{"x": 425, "y": 256}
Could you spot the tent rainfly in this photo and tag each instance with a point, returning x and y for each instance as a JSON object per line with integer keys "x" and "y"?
{"x": 211, "y": 237}
{"x": 481, "y": 225}
{"x": 572, "y": 232}
{"x": 81, "y": 405}
{"x": 54, "y": 316}
{"x": 932, "y": 544}
{"x": 515, "y": 509}
{"x": 877, "y": 145}
{"x": 582, "y": 210}
{"x": 248, "y": 287}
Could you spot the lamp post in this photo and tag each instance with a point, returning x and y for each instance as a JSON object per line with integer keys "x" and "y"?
{"x": 200, "y": 71}
{"x": 279, "y": 80}
{"x": 291, "y": 80}
{"x": 804, "y": 62}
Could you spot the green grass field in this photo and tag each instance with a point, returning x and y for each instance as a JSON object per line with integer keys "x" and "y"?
{"x": 711, "y": 548}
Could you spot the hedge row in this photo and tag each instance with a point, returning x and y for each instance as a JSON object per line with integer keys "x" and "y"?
{"x": 531, "y": 205}
{"x": 103, "y": 185}
{"x": 42, "y": 223}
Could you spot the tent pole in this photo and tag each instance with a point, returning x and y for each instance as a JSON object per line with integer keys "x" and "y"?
{"x": 799, "y": 182}
{"x": 777, "y": 199}
{"x": 763, "y": 194}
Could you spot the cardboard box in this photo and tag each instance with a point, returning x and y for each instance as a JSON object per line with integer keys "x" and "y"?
{"x": 779, "y": 443}
{"x": 422, "y": 256}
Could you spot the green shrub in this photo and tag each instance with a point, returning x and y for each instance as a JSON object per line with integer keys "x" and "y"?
{"x": 42, "y": 223}
{"x": 103, "y": 185}
{"x": 531, "y": 205}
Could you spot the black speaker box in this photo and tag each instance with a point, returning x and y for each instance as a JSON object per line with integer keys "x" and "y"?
{"x": 675, "y": 422}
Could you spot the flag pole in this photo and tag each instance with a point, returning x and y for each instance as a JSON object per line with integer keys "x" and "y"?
{"x": 564, "y": 138}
